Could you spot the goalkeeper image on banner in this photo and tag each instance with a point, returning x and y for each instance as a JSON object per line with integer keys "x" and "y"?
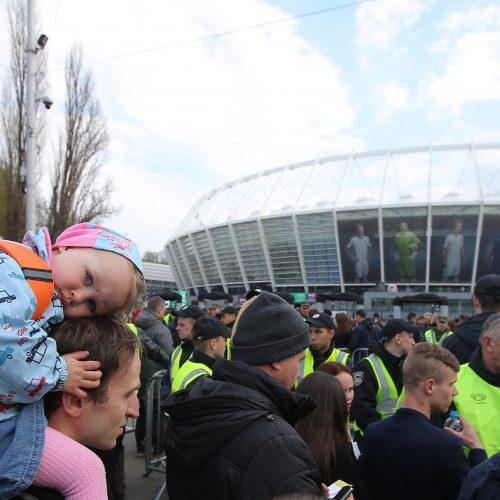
{"x": 406, "y": 246}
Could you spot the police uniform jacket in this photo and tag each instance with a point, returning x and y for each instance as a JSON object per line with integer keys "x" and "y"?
{"x": 363, "y": 408}
{"x": 232, "y": 437}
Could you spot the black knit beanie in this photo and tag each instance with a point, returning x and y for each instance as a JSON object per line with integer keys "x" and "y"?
{"x": 268, "y": 330}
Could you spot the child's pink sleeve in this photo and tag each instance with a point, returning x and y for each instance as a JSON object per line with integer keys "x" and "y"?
{"x": 70, "y": 468}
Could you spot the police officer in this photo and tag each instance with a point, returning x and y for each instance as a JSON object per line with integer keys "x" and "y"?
{"x": 186, "y": 317}
{"x": 438, "y": 333}
{"x": 209, "y": 339}
{"x": 322, "y": 348}
{"x": 228, "y": 316}
{"x": 378, "y": 379}
{"x": 478, "y": 387}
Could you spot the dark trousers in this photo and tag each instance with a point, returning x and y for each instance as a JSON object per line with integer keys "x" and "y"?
{"x": 158, "y": 431}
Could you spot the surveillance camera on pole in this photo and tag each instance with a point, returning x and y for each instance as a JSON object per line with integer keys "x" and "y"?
{"x": 42, "y": 41}
{"x": 45, "y": 100}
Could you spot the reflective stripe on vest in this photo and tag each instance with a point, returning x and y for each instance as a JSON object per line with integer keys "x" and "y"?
{"x": 430, "y": 336}
{"x": 189, "y": 372}
{"x": 175, "y": 360}
{"x": 445, "y": 336}
{"x": 386, "y": 398}
{"x": 387, "y": 394}
{"x": 479, "y": 402}
{"x": 36, "y": 272}
{"x": 307, "y": 363}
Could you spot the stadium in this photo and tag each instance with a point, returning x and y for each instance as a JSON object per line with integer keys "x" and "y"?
{"x": 420, "y": 219}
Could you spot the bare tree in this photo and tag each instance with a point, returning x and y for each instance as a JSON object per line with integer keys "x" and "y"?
{"x": 154, "y": 257}
{"x": 76, "y": 195}
{"x": 13, "y": 125}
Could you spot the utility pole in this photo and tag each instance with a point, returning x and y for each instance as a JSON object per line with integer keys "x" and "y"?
{"x": 31, "y": 51}
{"x": 30, "y": 124}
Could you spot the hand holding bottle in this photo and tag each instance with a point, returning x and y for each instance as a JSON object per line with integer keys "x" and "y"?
{"x": 467, "y": 436}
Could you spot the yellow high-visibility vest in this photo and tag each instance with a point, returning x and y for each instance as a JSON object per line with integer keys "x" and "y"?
{"x": 479, "y": 403}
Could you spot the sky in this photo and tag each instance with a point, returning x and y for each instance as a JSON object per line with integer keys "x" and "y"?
{"x": 197, "y": 93}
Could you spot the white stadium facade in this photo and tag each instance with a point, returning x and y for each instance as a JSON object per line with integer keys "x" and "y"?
{"x": 424, "y": 218}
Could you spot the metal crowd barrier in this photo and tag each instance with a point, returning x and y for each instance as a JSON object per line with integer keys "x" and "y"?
{"x": 155, "y": 425}
{"x": 357, "y": 355}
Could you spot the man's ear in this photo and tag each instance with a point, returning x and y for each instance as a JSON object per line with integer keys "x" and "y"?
{"x": 332, "y": 333}
{"x": 71, "y": 404}
{"x": 213, "y": 344}
{"x": 429, "y": 386}
{"x": 275, "y": 366}
{"x": 486, "y": 341}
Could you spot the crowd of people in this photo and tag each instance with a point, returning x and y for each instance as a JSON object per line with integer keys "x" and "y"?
{"x": 268, "y": 400}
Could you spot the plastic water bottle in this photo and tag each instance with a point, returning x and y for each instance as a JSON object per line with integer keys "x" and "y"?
{"x": 453, "y": 422}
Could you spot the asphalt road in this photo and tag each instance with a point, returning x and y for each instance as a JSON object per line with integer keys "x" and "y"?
{"x": 138, "y": 486}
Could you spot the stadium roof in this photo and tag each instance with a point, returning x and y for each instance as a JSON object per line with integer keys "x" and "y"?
{"x": 444, "y": 174}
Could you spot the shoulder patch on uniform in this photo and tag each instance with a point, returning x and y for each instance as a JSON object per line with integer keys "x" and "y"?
{"x": 357, "y": 378}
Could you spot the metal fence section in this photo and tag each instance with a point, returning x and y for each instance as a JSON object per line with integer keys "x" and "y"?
{"x": 154, "y": 459}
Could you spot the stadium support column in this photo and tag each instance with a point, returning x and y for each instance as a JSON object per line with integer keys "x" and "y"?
{"x": 216, "y": 260}
{"x": 380, "y": 220}
{"x": 267, "y": 256}
{"x": 339, "y": 250}
{"x": 479, "y": 231}
{"x": 174, "y": 265}
{"x": 300, "y": 253}
{"x": 186, "y": 264}
{"x": 429, "y": 222}
{"x": 198, "y": 261}
{"x": 238, "y": 257}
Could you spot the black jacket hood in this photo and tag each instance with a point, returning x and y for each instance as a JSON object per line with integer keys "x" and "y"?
{"x": 217, "y": 408}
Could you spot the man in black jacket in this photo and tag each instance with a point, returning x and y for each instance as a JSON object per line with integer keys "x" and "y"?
{"x": 232, "y": 436}
{"x": 405, "y": 457}
{"x": 486, "y": 301}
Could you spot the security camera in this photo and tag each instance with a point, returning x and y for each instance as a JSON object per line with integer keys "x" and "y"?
{"x": 42, "y": 41}
{"x": 47, "y": 102}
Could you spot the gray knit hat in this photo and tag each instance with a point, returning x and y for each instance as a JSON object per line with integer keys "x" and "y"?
{"x": 268, "y": 330}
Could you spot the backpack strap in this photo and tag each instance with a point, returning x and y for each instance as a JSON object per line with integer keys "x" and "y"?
{"x": 37, "y": 273}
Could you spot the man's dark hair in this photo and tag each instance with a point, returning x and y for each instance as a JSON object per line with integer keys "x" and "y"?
{"x": 107, "y": 339}
{"x": 361, "y": 313}
{"x": 411, "y": 315}
{"x": 489, "y": 303}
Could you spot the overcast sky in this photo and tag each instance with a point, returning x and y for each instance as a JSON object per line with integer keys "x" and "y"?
{"x": 186, "y": 117}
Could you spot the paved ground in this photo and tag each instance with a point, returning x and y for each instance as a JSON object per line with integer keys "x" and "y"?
{"x": 138, "y": 486}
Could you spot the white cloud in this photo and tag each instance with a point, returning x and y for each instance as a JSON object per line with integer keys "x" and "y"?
{"x": 471, "y": 74}
{"x": 231, "y": 105}
{"x": 392, "y": 97}
{"x": 481, "y": 17}
{"x": 379, "y": 24}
